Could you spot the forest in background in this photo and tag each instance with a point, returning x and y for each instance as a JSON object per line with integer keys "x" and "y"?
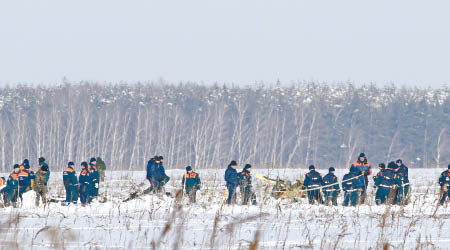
{"x": 207, "y": 126}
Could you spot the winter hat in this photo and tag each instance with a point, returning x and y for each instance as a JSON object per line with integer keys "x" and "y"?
{"x": 92, "y": 160}
{"x": 70, "y": 164}
{"x": 44, "y": 167}
{"x": 16, "y": 166}
{"x": 233, "y": 163}
{"x": 26, "y": 162}
{"x": 331, "y": 169}
{"x": 247, "y": 166}
{"x": 362, "y": 155}
{"x": 311, "y": 167}
{"x": 188, "y": 168}
{"x": 161, "y": 158}
{"x": 382, "y": 166}
{"x": 392, "y": 165}
{"x": 27, "y": 166}
{"x": 84, "y": 164}
{"x": 399, "y": 161}
{"x": 41, "y": 159}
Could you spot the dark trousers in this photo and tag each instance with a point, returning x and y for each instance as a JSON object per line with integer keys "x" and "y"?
{"x": 382, "y": 195}
{"x": 85, "y": 193}
{"x": 350, "y": 197}
{"x": 71, "y": 193}
{"x": 231, "y": 194}
{"x": 330, "y": 197}
{"x": 445, "y": 195}
{"x": 314, "y": 195}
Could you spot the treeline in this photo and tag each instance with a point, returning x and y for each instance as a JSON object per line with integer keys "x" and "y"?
{"x": 207, "y": 126}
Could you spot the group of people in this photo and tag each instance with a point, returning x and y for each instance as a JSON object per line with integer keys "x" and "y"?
{"x": 392, "y": 184}
{"x": 23, "y": 179}
{"x": 241, "y": 180}
{"x": 87, "y": 185}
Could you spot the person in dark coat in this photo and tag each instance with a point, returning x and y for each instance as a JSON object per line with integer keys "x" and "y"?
{"x": 403, "y": 186}
{"x": 444, "y": 182}
{"x": 191, "y": 184}
{"x": 70, "y": 184}
{"x": 231, "y": 178}
{"x": 245, "y": 185}
{"x": 313, "y": 180}
{"x": 85, "y": 182}
{"x": 11, "y": 191}
{"x": 41, "y": 160}
{"x": 383, "y": 182}
{"x": 95, "y": 177}
{"x": 331, "y": 192}
{"x": 32, "y": 176}
{"x": 351, "y": 184}
{"x": 365, "y": 169}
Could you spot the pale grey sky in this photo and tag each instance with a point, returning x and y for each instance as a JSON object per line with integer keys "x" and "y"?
{"x": 240, "y": 41}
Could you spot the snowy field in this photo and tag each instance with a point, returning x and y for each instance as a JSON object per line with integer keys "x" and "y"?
{"x": 150, "y": 222}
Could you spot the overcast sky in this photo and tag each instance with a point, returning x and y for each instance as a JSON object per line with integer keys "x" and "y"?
{"x": 405, "y": 42}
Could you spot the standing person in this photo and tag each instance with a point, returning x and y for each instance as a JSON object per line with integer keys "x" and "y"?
{"x": 402, "y": 173}
{"x": 313, "y": 180}
{"x": 32, "y": 177}
{"x": 444, "y": 182}
{"x": 165, "y": 178}
{"x": 95, "y": 178}
{"x": 101, "y": 166}
{"x": 331, "y": 192}
{"x": 40, "y": 184}
{"x": 151, "y": 164}
{"x": 245, "y": 185}
{"x": 157, "y": 175}
{"x": 85, "y": 182}
{"x": 11, "y": 191}
{"x": 70, "y": 184}
{"x": 364, "y": 168}
{"x": 231, "y": 178}
{"x": 191, "y": 183}
{"x": 383, "y": 181}
{"x": 351, "y": 185}
{"x": 24, "y": 180}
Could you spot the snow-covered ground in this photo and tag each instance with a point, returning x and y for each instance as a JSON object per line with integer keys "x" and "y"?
{"x": 164, "y": 223}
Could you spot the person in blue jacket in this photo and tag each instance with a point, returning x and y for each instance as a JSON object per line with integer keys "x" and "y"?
{"x": 32, "y": 176}
{"x": 364, "y": 169}
{"x": 11, "y": 191}
{"x": 70, "y": 184}
{"x": 245, "y": 184}
{"x": 331, "y": 192}
{"x": 403, "y": 186}
{"x": 313, "y": 180}
{"x": 383, "y": 182}
{"x": 444, "y": 182}
{"x": 231, "y": 178}
{"x": 95, "y": 176}
{"x": 85, "y": 181}
{"x": 351, "y": 185}
{"x": 151, "y": 164}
